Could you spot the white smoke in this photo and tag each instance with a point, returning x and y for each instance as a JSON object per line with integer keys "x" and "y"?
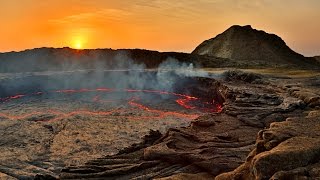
{"x": 181, "y": 69}
{"x": 122, "y": 73}
{"x": 171, "y": 70}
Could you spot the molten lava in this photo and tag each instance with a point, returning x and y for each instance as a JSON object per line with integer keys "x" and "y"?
{"x": 197, "y": 105}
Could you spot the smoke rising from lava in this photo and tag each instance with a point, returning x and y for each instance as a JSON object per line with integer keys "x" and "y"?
{"x": 120, "y": 73}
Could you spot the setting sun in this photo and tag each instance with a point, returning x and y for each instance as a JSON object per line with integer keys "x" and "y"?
{"x": 79, "y": 37}
{"x": 77, "y": 44}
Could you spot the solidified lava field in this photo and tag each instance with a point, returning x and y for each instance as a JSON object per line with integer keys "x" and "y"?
{"x": 91, "y": 119}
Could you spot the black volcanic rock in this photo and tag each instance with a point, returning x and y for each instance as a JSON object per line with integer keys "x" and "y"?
{"x": 287, "y": 150}
{"x": 252, "y": 47}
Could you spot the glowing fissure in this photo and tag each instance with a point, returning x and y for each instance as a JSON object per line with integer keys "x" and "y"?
{"x": 182, "y": 100}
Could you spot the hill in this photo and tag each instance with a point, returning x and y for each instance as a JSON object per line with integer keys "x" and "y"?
{"x": 254, "y": 48}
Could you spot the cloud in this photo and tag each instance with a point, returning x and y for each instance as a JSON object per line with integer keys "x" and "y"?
{"x": 250, "y": 4}
{"x": 151, "y": 11}
{"x": 99, "y": 15}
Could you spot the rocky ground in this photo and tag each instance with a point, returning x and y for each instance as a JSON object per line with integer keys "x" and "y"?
{"x": 29, "y": 147}
{"x": 269, "y": 128}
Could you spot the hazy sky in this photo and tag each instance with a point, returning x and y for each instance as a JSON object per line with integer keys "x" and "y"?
{"x": 165, "y": 25}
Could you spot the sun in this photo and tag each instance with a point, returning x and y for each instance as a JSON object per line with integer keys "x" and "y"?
{"x": 77, "y": 44}
{"x": 78, "y": 38}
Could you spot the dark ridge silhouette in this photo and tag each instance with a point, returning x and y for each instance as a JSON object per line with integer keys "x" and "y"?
{"x": 45, "y": 59}
{"x": 258, "y": 48}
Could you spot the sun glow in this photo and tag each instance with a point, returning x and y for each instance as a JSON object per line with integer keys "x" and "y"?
{"x": 77, "y": 44}
{"x": 79, "y": 40}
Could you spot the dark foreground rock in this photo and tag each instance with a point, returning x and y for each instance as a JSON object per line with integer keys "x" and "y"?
{"x": 287, "y": 150}
{"x": 217, "y": 143}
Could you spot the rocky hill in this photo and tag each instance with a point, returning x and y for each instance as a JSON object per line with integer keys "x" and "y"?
{"x": 254, "y": 48}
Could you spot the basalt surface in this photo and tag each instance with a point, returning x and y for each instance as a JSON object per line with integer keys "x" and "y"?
{"x": 268, "y": 128}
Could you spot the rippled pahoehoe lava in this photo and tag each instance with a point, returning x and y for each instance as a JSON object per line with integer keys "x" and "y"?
{"x": 133, "y": 100}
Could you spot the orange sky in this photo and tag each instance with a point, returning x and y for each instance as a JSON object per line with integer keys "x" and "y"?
{"x": 164, "y": 25}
